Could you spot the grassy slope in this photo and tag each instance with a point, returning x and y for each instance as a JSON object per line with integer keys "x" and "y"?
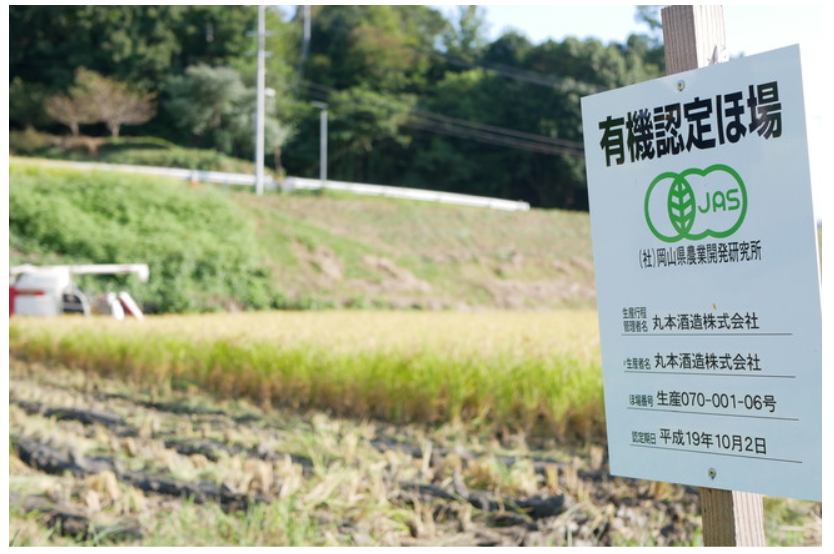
{"x": 327, "y": 250}
{"x": 373, "y": 252}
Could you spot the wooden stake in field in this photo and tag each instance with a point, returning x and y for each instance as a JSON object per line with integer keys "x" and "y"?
{"x": 694, "y": 37}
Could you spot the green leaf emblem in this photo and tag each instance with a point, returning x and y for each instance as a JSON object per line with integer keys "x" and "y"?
{"x": 681, "y": 205}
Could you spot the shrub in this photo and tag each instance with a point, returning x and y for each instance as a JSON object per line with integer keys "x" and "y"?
{"x": 150, "y": 151}
{"x": 200, "y": 248}
{"x": 30, "y": 141}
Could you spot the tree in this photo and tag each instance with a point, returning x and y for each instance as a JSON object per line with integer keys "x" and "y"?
{"x": 203, "y": 99}
{"x": 650, "y": 16}
{"x": 26, "y": 103}
{"x": 68, "y": 110}
{"x": 467, "y": 37}
{"x": 141, "y": 45}
{"x": 378, "y": 67}
{"x": 383, "y": 48}
{"x": 97, "y": 99}
{"x": 362, "y": 122}
{"x": 112, "y": 102}
{"x": 72, "y": 109}
{"x": 214, "y": 107}
{"x": 509, "y": 49}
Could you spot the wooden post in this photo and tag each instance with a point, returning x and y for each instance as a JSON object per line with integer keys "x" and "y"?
{"x": 732, "y": 518}
{"x": 694, "y": 37}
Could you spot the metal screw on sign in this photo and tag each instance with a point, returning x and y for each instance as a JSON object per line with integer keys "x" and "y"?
{"x": 681, "y": 85}
{"x": 712, "y": 473}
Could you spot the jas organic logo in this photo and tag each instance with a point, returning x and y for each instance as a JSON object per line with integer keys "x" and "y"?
{"x": 696, "y": 203}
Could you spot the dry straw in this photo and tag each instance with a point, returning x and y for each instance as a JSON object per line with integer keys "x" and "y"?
{"x": 536, "y": 372}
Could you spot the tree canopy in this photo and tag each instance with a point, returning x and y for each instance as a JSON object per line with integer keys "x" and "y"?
{"x": 415, "y": 97}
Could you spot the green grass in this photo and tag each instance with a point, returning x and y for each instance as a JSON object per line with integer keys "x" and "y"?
{"x": 200, "y": 247}
{"x": 534, "y": 372}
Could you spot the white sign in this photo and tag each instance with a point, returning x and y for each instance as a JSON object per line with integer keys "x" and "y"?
{"x": 708, "y": 282}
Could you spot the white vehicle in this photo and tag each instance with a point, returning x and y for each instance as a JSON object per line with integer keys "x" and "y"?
{"x": 50, "y": 291}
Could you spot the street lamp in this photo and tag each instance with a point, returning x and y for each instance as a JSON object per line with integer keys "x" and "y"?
{"x": 322, "y": 141}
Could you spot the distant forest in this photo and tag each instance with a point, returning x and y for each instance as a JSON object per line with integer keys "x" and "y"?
{"x": 414, "y": 97}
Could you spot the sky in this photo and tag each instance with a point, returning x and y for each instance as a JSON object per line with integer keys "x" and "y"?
{"x": 750, "y": 30}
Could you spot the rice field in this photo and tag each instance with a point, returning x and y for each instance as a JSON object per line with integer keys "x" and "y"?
{"x": 533, "y": 372}
{"x": 97, "y": 461}
{"x": 226, "y": 430}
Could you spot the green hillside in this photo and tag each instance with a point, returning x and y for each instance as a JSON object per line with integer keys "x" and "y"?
{"x": 210, "y": 248}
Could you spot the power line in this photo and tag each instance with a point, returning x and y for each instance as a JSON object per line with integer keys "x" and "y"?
{"x": 502, "y": 136}
{"x": 501, "y": 130}
{"x": 488, "y": 138}
{"x": 512, "y": 72}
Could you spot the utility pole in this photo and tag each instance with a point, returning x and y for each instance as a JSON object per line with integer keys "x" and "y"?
{"x": 322, "y": 141}
{"x": 260, "y": 110}
{"x": 307, "y": 32}
{"x": 303, "y": 12}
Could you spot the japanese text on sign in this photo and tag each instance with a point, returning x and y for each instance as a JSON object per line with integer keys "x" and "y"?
{"x": 701, "y": 254}
{"x": 701, "y": 124}
{"x": 698, "y": 361}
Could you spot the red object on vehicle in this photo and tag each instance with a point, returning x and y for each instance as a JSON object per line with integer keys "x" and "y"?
{"x": 12, "y": 294}
{"x": 129, "y": 305}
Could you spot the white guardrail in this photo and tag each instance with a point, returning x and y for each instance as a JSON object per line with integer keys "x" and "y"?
{"x": 299, "y": 183}
{"x": 293, "y": 183}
